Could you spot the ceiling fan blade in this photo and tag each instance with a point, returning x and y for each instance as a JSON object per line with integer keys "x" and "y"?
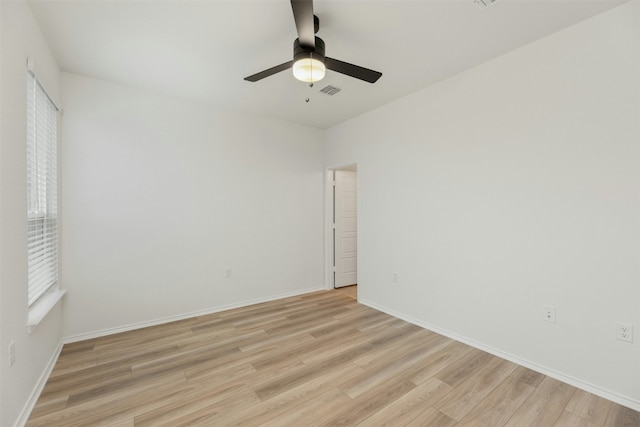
{"x": 303, "y": 15}
{"x": 271, "y": 71}
{"x": 352, "y": 70}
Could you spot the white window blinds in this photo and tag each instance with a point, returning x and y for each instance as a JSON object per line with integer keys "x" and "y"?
{"x": 42, "y": 182}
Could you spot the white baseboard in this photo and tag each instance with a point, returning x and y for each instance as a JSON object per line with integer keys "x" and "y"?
{"x": 145, "y": 324}
{"x": 598, "y": 391}
{"x": 35, "y": 394}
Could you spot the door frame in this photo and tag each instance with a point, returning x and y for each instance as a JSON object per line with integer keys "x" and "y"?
{"x": 329, "y": 203}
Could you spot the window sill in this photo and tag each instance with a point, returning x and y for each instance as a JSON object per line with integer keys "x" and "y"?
{"x": 40, "y": 309}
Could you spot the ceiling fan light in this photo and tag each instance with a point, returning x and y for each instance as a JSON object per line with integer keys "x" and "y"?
{"x": 309, "y": 70}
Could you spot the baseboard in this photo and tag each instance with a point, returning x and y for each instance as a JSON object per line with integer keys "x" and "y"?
{"x": 35, "y": 394}
{"x": 212, "y": 310}
{"x": 598, "y": 391}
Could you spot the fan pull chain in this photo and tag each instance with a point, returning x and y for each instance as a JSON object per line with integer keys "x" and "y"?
{"x": 307, "y": 99}
{"x": 311, "y": 83}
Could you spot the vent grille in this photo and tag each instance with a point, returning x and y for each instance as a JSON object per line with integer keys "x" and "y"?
{"x": 484, "y": 3}
{"x": 329, "y": 90}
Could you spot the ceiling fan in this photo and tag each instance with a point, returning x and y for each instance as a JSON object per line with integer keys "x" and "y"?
{"x": 309, "y": 62}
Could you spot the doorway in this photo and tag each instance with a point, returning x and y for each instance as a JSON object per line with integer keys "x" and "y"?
{"x": 345, "y": 227}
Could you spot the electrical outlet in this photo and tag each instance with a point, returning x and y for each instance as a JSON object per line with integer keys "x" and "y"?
{"x": 227, "y": 273}
{"x": 396, "y": 277}
{"x": 549, "y": 313}
{"x": 625, "y": 332}
{"x": 12, "y": 353}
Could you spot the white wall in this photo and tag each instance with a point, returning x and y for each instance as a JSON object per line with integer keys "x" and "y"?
{"x": 20, "y": 38}
{"x": 160, "y": 196}
{"x": 507, "y": 187}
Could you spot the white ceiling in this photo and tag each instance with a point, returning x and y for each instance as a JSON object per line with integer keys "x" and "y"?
{"x": 203, "y": 49}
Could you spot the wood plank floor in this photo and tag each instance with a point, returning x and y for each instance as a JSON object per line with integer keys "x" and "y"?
{"x": 317, "y": 359}
{"x": 351, "y": 291}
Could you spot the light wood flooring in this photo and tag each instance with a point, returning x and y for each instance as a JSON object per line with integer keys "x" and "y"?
{"x": 312, "y": 360}
{"x": 350, "y": 291}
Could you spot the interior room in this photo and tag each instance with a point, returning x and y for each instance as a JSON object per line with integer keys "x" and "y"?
{"x": 496, "y": 146}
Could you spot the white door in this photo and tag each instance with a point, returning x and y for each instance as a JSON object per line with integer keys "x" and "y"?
{"x": 345, "y": 222}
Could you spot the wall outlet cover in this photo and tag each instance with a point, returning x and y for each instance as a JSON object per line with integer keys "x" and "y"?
{"x": 625, "y": 332}
{"x": 12, "y": 353}
{"x": 549, "y": 313}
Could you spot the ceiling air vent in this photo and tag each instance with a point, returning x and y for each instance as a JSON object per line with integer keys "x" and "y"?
{"x": 329, "y": 90}
{"x": 484, "y": 3}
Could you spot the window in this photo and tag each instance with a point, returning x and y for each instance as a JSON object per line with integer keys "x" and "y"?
{"x": 42, "y": 182}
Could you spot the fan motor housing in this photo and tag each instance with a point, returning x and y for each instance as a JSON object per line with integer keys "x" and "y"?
{"x": 300, "y": 52}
